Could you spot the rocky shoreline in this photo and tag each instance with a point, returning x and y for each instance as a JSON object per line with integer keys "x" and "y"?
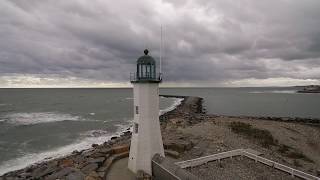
{"x": 310, "y": 89}
{"x": 93, "y": 163}
{"x": 182, "y": 140}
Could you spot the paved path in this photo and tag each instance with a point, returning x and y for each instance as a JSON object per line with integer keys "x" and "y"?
{"x": 119, "y": 171}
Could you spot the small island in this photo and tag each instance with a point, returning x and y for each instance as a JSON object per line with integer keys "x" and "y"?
{"x": 310, "y": 89}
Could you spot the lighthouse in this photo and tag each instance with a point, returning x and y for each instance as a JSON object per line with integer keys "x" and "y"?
{"x": 146, "y": 140}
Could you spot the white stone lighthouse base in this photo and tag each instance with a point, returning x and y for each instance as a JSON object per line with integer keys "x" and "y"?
{"x": 146, "y": 138}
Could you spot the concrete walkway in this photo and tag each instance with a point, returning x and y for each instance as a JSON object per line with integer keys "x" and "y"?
{"x": 119, "y": 170}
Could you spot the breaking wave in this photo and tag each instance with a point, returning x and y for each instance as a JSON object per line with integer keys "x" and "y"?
{"x": 276, "y": 91}
{"x": 37, "y": 118}
{"x": 177, "y": 102}
{"x": 88, "y": 138}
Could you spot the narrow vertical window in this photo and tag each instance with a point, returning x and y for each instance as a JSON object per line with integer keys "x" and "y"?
{"x": 141, "y": 71}
{"x": 136, "y": 126}
{"x": 137, "y": 110}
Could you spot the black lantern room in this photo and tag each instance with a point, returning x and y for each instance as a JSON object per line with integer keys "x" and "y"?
{"x": 146, "y": 70}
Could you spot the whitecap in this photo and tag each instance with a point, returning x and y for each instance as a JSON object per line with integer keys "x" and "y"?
{"x": 94, "y": 133}
{"x": 176, "y": 103}
{"x": 275, "y": 91}
{"x": 38, "y": 117}
{"x": 80, "y": 144}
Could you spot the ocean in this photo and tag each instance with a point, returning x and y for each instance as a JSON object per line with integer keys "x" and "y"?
{"x": 37, "y": 124}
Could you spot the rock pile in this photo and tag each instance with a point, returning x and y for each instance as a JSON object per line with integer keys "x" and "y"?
{"x": 91, "y": 164}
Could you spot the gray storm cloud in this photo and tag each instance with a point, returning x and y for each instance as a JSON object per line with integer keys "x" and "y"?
{"x": 211, "y": 42}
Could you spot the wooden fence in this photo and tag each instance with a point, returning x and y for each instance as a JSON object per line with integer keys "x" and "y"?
{"x": 246, "y": 153}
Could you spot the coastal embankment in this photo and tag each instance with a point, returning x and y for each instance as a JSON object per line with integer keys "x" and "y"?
{"x": 188, "y": 132}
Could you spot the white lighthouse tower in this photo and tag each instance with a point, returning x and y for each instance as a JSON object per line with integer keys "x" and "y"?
{"x": 146, "y": 140}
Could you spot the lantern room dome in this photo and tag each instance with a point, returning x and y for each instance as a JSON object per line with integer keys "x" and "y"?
{"x": 146, "y": 59}
{"x": 146, "y": 70}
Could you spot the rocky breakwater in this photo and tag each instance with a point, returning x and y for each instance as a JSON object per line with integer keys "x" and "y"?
{"x": 190, "y": 111}
{"x": 94, "y": 163}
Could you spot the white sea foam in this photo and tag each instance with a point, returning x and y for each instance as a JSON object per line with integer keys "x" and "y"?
{"x": 276, "y": 91}
{"x": 91, "y": 137}
{"x": 38, "y": 117}
{"x": 177, "y": 102}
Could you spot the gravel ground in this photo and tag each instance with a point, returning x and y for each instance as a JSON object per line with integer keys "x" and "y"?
{"x": 214, "y": 136}
{"x": 238, "y": 168}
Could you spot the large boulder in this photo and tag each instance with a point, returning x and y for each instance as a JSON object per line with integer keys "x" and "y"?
{"x": 76, "y": 175}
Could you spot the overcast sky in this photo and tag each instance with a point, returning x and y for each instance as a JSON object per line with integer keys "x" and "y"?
{"x": 95, "y": 43}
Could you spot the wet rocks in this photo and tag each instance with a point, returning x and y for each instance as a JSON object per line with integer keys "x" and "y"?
{"x": 94, "y": 145}
{"x": 88, "y": 164}
{"x": 98, "y": 160}
{"x": 89, "y": 167}
{"x": 75, "y": 175}
{"x": 61, "y": 173}
{"x": 66, "y": 163}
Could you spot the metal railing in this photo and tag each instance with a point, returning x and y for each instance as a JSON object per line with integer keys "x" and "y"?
{"x": 146, "y": 77}
{"x": 243, "y": 152}
{"x": 206, "y": 159}
{"x": 161, "y": 172}
{"x": 292, "y": 171}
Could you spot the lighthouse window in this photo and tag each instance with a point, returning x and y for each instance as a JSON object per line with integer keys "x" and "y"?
{"x": 147, "y": 71}
{"x": 137, "y": 110}
{"x": 136, "y": 128}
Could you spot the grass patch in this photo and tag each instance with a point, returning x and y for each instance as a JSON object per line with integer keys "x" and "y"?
{"x": 293, "y": 153}
{"x": 284, "y": 148}
{"x": 263, "y": 137}
{"x": 296, "y": 163}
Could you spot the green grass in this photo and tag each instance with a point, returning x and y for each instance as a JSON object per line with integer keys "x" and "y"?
{"x": 262, "y": 136}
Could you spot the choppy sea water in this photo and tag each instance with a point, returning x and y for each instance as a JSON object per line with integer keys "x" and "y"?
{"x": 36, "y": 124}
{"x": 40, "y": 123}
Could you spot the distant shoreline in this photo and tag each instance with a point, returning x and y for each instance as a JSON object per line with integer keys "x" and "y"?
{"x": 310, "y": 89}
